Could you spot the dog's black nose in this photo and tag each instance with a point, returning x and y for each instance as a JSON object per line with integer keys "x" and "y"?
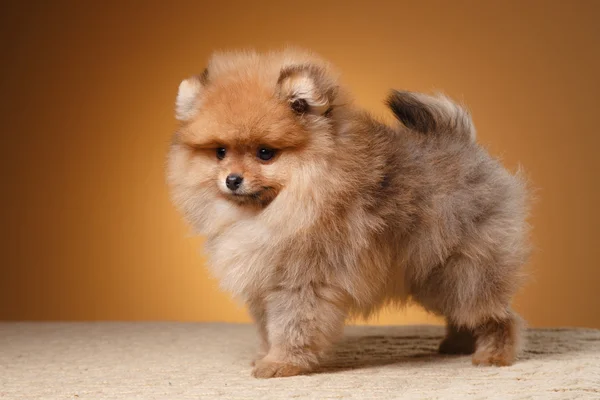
{"x": 233, "y": 182}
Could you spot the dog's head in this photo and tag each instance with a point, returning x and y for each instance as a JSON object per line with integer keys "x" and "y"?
{"x": 249, "y": 124}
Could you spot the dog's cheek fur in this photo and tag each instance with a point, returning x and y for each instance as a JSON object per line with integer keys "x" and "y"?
{"x": 192, "y": 178}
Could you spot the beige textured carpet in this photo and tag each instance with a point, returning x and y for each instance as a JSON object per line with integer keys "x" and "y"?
{"x": 211, "y": 361}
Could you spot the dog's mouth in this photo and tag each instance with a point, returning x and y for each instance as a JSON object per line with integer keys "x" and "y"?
{"x": 262, "y": 197}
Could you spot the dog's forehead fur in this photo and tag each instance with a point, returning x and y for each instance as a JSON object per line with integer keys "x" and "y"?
{"x": 244, "y": 112}
{"x": 239, "y": 102}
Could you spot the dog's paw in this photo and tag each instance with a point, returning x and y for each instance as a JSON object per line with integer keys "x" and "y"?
{"x": 497, "y": 343}
{"x": 270, "y": 369}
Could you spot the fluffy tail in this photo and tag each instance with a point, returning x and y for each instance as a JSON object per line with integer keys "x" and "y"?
{"x": 434, "y": 115}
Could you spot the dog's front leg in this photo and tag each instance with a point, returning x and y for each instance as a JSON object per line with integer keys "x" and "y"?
{"x": 256, "y": 307}
{"x": 302, "y": 324}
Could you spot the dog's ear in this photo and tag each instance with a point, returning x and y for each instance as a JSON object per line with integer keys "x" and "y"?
{"x": 188, "y": 96}
{"x": 307, "y": 89}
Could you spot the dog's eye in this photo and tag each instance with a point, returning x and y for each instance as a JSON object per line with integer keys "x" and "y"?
{"x": 221, "y": 153}
{"x": 265, "y": 154}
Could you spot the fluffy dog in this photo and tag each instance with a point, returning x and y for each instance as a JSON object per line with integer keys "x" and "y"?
{"x": 313, "y": 211}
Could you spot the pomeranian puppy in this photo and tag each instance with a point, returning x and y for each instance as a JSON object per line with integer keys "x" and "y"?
{"x": 314, "y": 212}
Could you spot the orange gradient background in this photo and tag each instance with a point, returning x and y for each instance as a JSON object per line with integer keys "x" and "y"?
{"x": 87, "y": 94}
